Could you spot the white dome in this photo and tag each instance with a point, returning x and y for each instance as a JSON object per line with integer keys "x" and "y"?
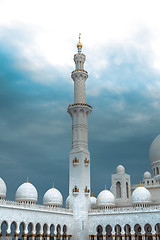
{"x": 120, "y": 169}
{"x": 67, "y": 202}
{"x": 141, "y": 195}
{"x": 93, "y": 201}
{"x": 105, "y": 198}
{"x": 154, "y": 151}
{"x": 147, "y": 175}
{"x": 3, "y": 189}
{"x": 26, "y": 193}
{"x": 53, "y": 198}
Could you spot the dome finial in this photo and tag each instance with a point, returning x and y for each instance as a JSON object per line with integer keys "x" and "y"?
{"x": 105, "y": 187}
{"x": 79, "y": 45}
{"x": 92, "y": 194}
{"x": 53, "y": 185}
{"x": 140, "y": 184}
{"x": 27, "y": 179}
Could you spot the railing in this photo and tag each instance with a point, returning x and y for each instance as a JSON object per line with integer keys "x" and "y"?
{"x": 124, "y": 209}
{"x": 79, "y": 104}
{"x": 7, "y": 203}
{"x": 79, "y": 70}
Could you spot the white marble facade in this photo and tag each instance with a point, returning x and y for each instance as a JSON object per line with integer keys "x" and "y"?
{"x": 125, "y": 211}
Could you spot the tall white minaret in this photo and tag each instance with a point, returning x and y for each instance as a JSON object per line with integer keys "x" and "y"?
{"x": 79, "y": 172}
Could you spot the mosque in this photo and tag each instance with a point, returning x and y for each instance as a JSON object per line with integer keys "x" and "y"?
{"x": 125, "y": 211}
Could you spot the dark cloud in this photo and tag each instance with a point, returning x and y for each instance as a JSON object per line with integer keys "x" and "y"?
{"x": 35, "y": 128}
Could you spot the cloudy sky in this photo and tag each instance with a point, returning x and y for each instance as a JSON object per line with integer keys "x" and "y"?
{"x": 37, "y": 42}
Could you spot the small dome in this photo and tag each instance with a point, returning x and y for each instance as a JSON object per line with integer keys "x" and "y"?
{"x": 147, "y": 175}
{"x": 105, "y": 198}
{"x": 120, "y": 169}
{"x": 3, "y": 189}
{"x": 93, "y": 201}
{"x": 67, "y": 202}
{"x": 154, "y": 151}
{"x": 53, "y": 198}
{"x": 141, "y": 195}
{"x": 26, "y": 193}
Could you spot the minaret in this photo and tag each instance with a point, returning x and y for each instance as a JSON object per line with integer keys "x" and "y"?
{"x": 79, "y": 172}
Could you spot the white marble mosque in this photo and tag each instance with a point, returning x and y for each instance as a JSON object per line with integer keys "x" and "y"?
{"x": 125, "y": 211}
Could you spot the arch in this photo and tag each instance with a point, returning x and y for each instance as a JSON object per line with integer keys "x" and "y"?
{"x": 148, "y": 230}
{"x": 154, "y": 173}
{"x": 4, "y": 228}
{"x": 157, "y": 170}
{"x": 137, "y": 229}
{"x": 99, "y": 232}
{"x": 52, "y": 229}
{"x": 157, "y": 229}
{"x": 109, "y": 232}
{"x": 127, "y": 229}
{"x": 22, "y": 228}
{"x": 118, "y": 232}
{"x": 64, "y": 236}
{"x": 45, "y": 229}
{"x": 30, "y": 229}
{"x": 38, "y": 231}
{"x": 127, "y": 190}
{"x": 118, "y": 189}
{"x": 58, "y": 232}
{"x": 81, "y": 111}
{"x": 13, "y": 229}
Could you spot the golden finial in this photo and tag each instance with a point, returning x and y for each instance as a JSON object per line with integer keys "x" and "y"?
{"x": 92, "y": 194}
{"x": 79, "y": 45}
{"x": 53, "y": 185}
{"x": 140, "y": 184}
{"x": 105, "y": 188}
{"x": 27, "y": 179}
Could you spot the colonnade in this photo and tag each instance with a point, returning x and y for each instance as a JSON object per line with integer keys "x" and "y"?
{"x": 32, "y": 231}
{"x": 147, "y": 232}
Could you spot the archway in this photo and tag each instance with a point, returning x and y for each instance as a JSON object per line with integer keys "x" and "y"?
{"x": 118, "y": 190}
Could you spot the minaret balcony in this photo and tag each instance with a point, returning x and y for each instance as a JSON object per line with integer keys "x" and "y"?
{"x": 79, "y": 70}
{"x": 75, "y": 162}
{"x": 86, "y": 162}
{"x": 79, "y": 104}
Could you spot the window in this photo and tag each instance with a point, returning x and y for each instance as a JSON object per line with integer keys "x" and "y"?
{"x": 118, "y": 190}
{"x": 127, "y": 190}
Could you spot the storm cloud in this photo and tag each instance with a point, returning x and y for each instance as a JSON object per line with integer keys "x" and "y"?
{"x": 35, "y": 128}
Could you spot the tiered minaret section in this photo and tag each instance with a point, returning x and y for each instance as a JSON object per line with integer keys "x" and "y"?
{"x": 79, "y": 177}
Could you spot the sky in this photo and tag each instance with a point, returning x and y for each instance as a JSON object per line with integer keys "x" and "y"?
{"x": 37, "y": 43}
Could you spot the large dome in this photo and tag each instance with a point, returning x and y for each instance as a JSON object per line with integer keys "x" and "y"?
{"x": 26, "y": 193}
{"x": 3, "y": 189}
{"x": 154, "y": 151}
{"x": 105, "y": 198}
{"x": 53, "y": 198}
{"x": 141, "y": 195}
